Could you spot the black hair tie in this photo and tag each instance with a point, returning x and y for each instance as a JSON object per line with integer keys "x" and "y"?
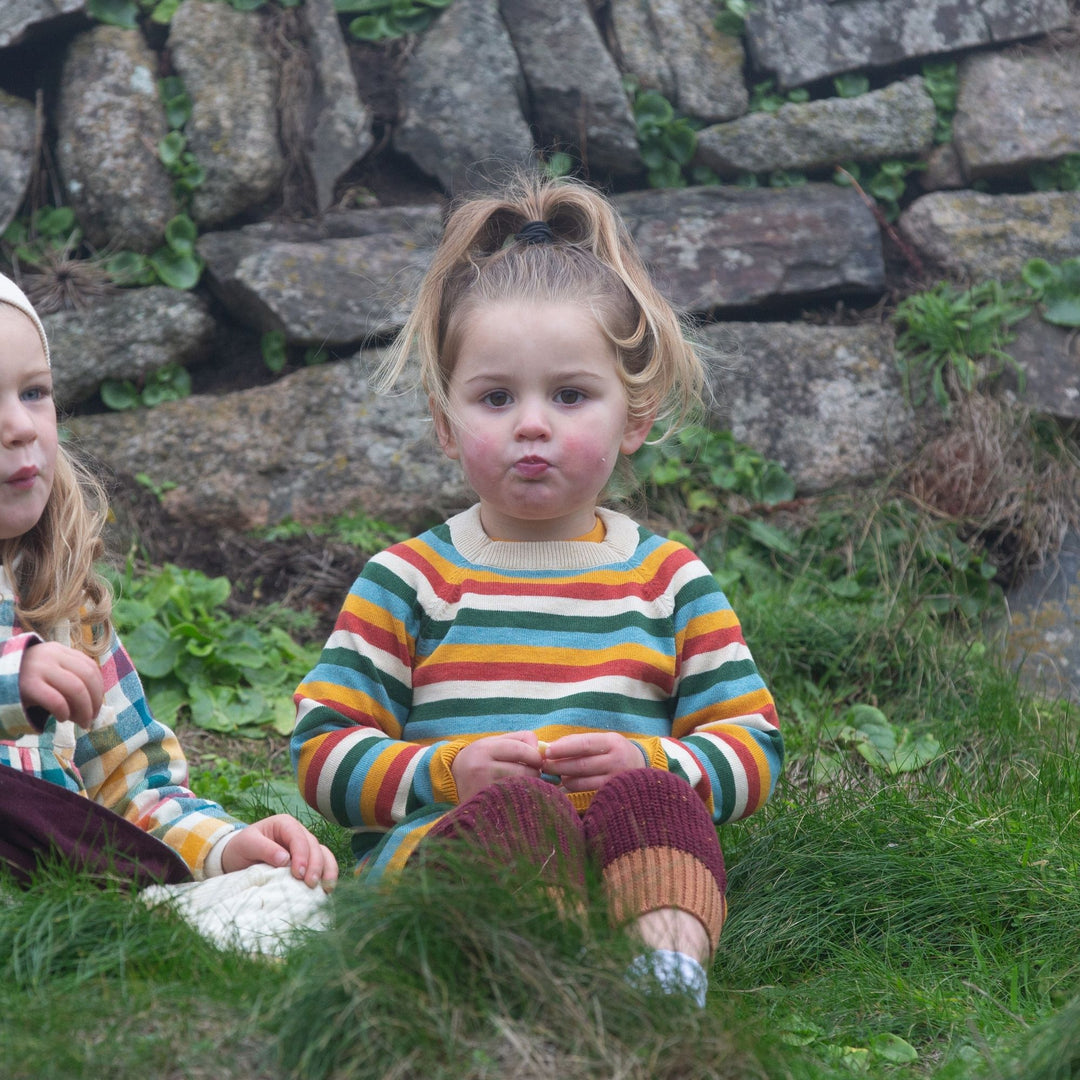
{"x": 536, "y": 232}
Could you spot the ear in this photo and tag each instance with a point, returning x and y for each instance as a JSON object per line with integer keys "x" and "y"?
{"x": 636, "y": 432}
{"x": 444, "y": 431}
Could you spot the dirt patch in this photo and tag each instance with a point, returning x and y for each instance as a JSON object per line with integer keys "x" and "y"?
{"x": 306, "y": 573}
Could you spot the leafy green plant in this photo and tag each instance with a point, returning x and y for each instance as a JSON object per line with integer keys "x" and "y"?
{"x": 851, "y": 85}
{"x": 942, "y": 82}
{"x": 698, "y": 465}
{"x": 886, "y": 181}
{"x": 158, "y": 489}
{"x": 1056, "y": 288}
{"x": 49, "y": 232}
{"x": 181, "y": 164}
{"x": 953, "y": 339}
{"x": 225, "y": 674}
{"x": 368, "y": 534}
{"x": 866, "y": 730}
{"x": 731, "y": 18}
{"x": 668, "y": 142}
{"x": 176, "y": 263}
{"x": 169, "y": 383}
{"x": 1060, "y": 175}
{"x": 764, "y": 97}
{"x": 380, "y": 20}
{"x": 787, "y": 178}
{"x": 273, "y": 348}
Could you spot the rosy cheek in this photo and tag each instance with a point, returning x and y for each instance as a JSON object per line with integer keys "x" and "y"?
{"x": 585, "y": 448}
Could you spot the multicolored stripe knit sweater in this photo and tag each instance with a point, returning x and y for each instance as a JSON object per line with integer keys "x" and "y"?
{"x": 452, "y": 636}
{"x": 128, "y": 761}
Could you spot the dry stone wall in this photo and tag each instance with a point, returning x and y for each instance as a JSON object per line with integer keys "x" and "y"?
{"x": 328, "y": 164}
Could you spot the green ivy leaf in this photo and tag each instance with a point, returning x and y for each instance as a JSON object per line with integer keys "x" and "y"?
{"x": 893, "y": 1049}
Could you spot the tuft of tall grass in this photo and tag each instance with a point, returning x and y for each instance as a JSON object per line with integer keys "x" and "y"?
{"x": 465, "y": 976}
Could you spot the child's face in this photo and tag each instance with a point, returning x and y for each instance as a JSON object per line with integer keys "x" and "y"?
{"x": 539, "y": 417}
{"x": 27, "y": 425}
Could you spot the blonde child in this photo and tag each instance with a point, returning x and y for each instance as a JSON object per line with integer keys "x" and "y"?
{"x": 540, "y": 666}
{"x": 72, "y": 709}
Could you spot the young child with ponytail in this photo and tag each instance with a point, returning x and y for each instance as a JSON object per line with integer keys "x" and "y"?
{"x": 540, "y": 666}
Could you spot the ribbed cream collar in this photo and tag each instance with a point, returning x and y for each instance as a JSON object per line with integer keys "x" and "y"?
{"x": 619, "y": 543}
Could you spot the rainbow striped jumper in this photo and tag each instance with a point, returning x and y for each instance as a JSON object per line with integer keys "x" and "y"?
{"x": 452, "y": 636}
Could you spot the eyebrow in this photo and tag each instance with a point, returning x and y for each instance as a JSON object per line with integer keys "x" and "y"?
{"x": 574, "y": 376}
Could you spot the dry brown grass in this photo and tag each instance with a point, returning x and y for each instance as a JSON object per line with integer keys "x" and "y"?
{"x": 1018, "y": 494}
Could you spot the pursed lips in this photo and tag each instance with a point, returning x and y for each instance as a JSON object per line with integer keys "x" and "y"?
{"x": 531, "y": 466}
{"x": 23, "y": 478}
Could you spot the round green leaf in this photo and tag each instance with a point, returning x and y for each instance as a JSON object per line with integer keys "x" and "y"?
{"x": 1062, "y": 310}
{"x": 1038, "y": 274}
{"x": 177, "y": 270}
{"x": 653, "y": 108}
{"x": 118, "y": 395}
{"x": 170, "y": 148}
{"x": 181, "y": 234}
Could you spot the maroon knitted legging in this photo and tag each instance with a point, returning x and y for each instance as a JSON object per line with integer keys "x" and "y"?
{"x": 647, "y": 831}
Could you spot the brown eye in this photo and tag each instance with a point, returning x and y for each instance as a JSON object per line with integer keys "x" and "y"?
{"x": 569, "y": 397}
{"x": 496, "y": 399}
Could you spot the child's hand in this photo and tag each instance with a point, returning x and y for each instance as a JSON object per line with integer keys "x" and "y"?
{"x": 486, "y": 760}
{"x": 585, "y": 762}
{"x": 61, "y": 680}
{"x": 279, "y": 841}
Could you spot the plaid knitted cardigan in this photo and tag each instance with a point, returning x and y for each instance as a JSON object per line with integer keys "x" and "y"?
{"x": 452, "y": 636}
{"x": 128, "y": 762}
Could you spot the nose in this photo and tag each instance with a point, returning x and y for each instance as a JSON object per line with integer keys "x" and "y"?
{"x": 16, "y": 424}
{"x": 533, "y": 421}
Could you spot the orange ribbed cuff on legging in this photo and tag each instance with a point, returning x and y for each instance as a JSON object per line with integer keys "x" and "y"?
{"x": 653, "y": 878}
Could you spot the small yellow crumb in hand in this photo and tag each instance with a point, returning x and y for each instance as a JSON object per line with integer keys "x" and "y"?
{"x": 542, "y": 746}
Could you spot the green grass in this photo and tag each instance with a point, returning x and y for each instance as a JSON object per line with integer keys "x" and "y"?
{"x": 924, "y": 924}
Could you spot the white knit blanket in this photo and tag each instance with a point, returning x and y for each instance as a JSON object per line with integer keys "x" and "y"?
{"x": 258, "y": 910}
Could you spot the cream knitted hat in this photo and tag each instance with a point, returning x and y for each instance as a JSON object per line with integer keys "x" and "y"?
{"x": 10, "y": 293}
